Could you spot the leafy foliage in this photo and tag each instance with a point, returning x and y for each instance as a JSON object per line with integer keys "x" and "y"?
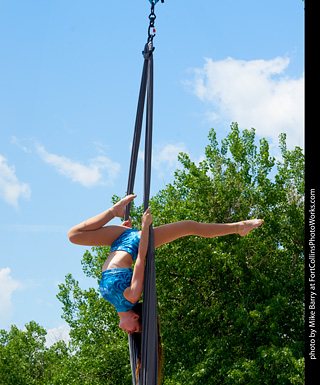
{"x": 25, "y": 360}
{"x": 231, "y": 308}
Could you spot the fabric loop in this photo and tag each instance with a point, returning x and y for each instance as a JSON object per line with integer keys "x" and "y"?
{"x": 145, "y": 345}
{"x": 148, "y": 50}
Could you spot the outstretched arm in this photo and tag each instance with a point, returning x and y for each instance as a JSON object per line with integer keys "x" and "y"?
{"x": 134, "y": 291}
{"x": 92, "y": 232}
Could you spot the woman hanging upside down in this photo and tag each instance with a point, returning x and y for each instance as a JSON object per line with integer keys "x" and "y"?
{"x": 120, "y": 285}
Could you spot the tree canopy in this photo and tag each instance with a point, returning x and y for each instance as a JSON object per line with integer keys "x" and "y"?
{"x": 231, "y": 308}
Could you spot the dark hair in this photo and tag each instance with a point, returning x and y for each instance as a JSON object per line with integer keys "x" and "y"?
{"x": 138, "y": 310}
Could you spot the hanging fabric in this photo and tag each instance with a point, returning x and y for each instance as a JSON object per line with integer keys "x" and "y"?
{"x": 145, "y": 344}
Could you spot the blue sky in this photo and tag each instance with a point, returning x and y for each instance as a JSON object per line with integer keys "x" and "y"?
{"x": 69, "y": 80}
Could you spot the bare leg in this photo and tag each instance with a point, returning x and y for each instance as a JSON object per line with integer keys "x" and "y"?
{"x": 92, "y": 231}
{"x": 170, "y": 232}
{"x": 103, "y": 236}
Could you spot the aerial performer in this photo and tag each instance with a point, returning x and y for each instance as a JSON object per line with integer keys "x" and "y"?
{"x": 121, "y": 285}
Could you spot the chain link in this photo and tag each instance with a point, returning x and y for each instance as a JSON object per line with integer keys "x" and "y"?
{"x": 152, "y": 18}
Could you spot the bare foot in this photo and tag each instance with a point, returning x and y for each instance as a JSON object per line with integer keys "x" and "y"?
{"x": 246, "y": 226}
{"x": 119, "y": 208}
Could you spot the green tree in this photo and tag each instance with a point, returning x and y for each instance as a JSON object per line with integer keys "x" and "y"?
{"x": 21, "y": 354}
{"x": 100, "y": 351}
{"x": 24, "y": 358}
{"x": 231, "y": 308}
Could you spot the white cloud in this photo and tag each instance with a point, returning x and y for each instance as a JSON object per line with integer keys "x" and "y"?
{"x": 11, "y": 189}
{"x": 255, "y": 94}
{"x": 8, "y": 286}
{"x": 100, "y": 170}
{"x": 165, "y": 157}
{"x": 20, "y": 143}
{"x": 60, "y": 333}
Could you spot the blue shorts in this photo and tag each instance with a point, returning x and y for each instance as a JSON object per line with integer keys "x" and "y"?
{"x": 112, "y": 285}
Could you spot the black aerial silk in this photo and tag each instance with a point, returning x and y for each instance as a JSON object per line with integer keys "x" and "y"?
{"x": 146, "y": 343}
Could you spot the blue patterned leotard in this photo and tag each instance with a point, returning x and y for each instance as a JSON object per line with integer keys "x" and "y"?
{"x": 129, "y": 242}
{"x": 115, "y": 281}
